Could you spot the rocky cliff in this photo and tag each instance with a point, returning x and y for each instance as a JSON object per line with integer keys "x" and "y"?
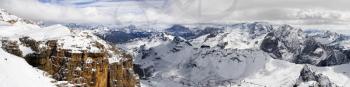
{"x": 73, "y": 58}
{"x": 79, "y": 67}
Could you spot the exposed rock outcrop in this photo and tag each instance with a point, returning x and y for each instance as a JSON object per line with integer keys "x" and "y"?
{"x": 292, "y": 44}
{"x": 310, "y": 78}
{"x": 28, "y": 42}
{"x": 284, "y": 42}
{"x": 321, "y": 55}
{"x": 79, "y": 68}
{"x": 11, "y": 47}
{"x": 122, "y": 74}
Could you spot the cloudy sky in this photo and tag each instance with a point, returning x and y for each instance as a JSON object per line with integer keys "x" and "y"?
{"x": 301, "y": 12}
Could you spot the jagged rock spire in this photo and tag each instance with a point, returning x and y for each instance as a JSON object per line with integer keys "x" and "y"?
{"x": 309, "y": 76}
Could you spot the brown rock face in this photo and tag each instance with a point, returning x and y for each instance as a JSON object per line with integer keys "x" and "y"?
{"x": 122, "y": 74}
{"x": 11, "y": 47}
{"x": 28, "y": 42}
{"x": 81, "y": 68}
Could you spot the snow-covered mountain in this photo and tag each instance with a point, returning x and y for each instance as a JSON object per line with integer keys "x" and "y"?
{"x": 282, "y": 41}
{"x": 245, "y": 54}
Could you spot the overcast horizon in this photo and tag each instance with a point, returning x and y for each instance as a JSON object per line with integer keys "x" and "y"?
{"x": 298, "y": 12}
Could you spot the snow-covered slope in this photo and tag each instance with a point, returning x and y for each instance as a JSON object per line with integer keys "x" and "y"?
{"x": 7, "y": 18}
{"x": 16, "y": 72}
{"x": 76, "y": 41}
{"x": 180, "y": 64}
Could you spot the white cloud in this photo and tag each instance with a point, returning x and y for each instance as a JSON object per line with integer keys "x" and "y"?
{"x": 33, "y": 9}
{"x": 287, "y": 11}
{"x": 171, "y": 11}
